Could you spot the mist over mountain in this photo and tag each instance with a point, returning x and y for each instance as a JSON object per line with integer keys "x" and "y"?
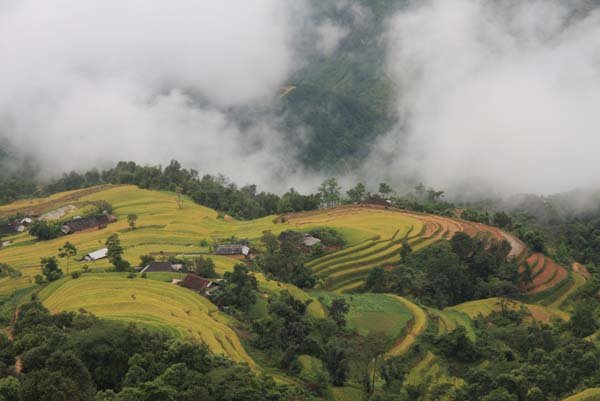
{"x": 471, "y": 96}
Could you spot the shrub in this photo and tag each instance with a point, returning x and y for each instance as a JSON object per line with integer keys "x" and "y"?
{"x": 76, "y": 275}
{"x": 131, "y": 275}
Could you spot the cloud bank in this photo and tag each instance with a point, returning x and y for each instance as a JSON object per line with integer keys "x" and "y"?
{"x": 502, "y": 94}
{"x": 87, "y": 83}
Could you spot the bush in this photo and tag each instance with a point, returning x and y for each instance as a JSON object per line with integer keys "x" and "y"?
{"x": 328, "y": 236}
{"x": 131, "y": 275}
{"x": 76, "y": 275}
{"x": 144, "y": 275}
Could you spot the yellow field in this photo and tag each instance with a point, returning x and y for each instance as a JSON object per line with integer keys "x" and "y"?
{"x": 162, "y": 226}
{"x": 592, "y": 394}
{"x": 485, "y": 307}
{"x": 149, "y": 303}
{"x": 418, "y": 326}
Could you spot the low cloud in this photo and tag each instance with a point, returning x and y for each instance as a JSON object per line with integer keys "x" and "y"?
{"x": 87, "y": 83}
{"x": 329, "y": 36}
{"x": 502, "y": 95}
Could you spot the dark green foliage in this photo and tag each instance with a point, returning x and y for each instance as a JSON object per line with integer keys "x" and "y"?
{"x": 451, "y": 272}
{"x": 338, "y": 310}
{"x": 204, "y": 267}
{"x": 336, "y": 362}
{"x": 50, "y": 268}
{"x": 77, "y": 357}
{"x": 44, "y": 230}
{"x": 8, "y": 271}
{"x": 145, "y": 260}
{"x": 239, "y": 290}
{"x": 285, "y": 261}
{"x": 328, "y": 236}
{"x": 115, "y": 253}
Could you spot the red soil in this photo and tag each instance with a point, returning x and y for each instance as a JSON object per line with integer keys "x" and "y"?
{"x": 545, "y": 279}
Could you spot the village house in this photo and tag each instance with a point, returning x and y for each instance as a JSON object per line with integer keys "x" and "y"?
{"x": 233, "y": 249}
{"x": 96, "y": 255}
{"x": 162, "y": 267}
{"x": 198, "y": 284}
{"x": 20, "y": 225}
{"x": 300, "y": 238}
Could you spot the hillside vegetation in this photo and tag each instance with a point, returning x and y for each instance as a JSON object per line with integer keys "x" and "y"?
{"x": 301, "y": 335}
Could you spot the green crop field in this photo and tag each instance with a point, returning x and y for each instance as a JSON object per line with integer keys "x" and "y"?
{"x": 376, "y": 313}
{"x": 149, "y": 303}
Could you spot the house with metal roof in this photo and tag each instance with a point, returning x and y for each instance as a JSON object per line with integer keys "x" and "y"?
{"x": 94, "y": 256}
{"x": 232, "y": 249}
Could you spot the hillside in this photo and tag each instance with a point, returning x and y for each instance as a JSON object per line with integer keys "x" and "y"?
{"x": 374, "y": 236}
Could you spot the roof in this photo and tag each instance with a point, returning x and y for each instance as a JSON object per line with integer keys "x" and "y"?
{"x": 155, "y": 267}
{"x": 377, "y": 201}
{"x": 97, "y": 254}
{"x": 195, "y": 283}
{"x": 309, "y": 240}
{"x": 85, "y": 223}
{"x": 234, "y": 249}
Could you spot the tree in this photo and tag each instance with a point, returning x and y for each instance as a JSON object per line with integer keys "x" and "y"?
{"x": 145, "y": 260}
{"x": 334, "y": 359}
{"x": 67, "y": 251}
{"x": 583, "y": 322}
{"x": 338, "y": 310}
{"x": 204, "y": 267}
{"x": 132, "y": 219}
{"x": 330, "y": 192}
{"x": 385, "y": 189}
{"x": 239, "y": 290}
{"x": 50, "y": 269}
{"x": 115, "y": 253}
{"x": 357, "y": 194}
{"x": 44, "y": 231}
{"x": 405, "y": 250}
{"x": 270, "y": 242}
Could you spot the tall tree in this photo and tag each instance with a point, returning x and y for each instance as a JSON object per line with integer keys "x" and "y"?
{"x": 385, "y": 189}
{"x": 330, "y": 192}
{"x": 67, "y": 251}
{"x": 50, "y": 269}
{"x": 132, "y": 219}
{"x": 357, "y": 194}
{"x": 338, "y": 310}
{"x": 115, "y": 253}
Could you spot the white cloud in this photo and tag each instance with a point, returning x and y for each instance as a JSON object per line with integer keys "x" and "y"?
{"x": 501, "y": 93}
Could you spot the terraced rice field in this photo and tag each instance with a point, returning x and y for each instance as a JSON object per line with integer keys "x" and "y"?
{"x": 345, "y": 270}
{"x": 592, "y": 394}
{"x": 486, "y": 307}
{"x": 149, "y": 303}
{"x": 418, "y": 325}
{"x": 449, "y": 320}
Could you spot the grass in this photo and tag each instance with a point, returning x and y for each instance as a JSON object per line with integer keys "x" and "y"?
{"x": 452, "y": 319}
{"x": 591, "y": 394}
{"x": 162, "y": 226}
{"x": 347, "y": 393}
{"x": 149, "y": 303}
{"x": 486, "y": 307}
{"x": 372, "y": 313}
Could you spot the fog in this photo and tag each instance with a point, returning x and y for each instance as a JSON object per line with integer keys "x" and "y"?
{"x": 87, "y": 83}
{"x": 492, "y": 96}
{"x": 502, "y": 95}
